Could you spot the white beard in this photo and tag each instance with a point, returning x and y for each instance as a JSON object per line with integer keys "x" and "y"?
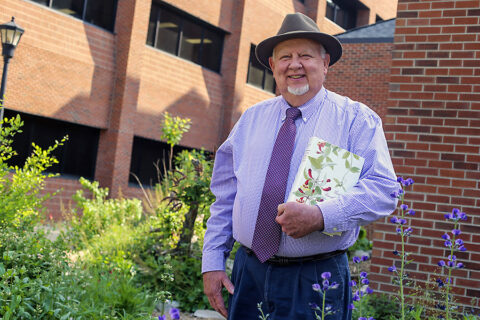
{"x": 299, "y": 91}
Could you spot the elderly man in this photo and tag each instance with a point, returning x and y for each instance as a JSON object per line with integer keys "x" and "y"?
{"x": 284, "y": 249}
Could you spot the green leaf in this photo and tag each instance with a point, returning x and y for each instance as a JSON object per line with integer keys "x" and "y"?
{"x": 356, "y": 157}
{"x": 354, "y": 169}
{"x": 316, "y": 163}
{"x": 346, "y": 155}
{"x": 347, "y": 164}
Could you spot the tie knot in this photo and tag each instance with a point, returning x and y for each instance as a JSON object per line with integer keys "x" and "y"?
{"x": 293, "y": 113}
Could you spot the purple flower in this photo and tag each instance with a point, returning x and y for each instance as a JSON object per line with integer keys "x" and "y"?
{"x": 356, "y": 296}
{"x": 326, "y": 275}
{"x": 399, "y": 230}
{"x": 440, "y": 282}
{"x": 362, "y": 318}
{"x": 365, "y": 281}
{"x": 164, "y": 317}
{"x": 441, "y": 263}
{"x": 408, "y": 231}
{"x": 313, "y": 305}
{"x": 394, "y": 220}
{"x": 400, "y": 179}
{"x": 452, "y": 257}
{"x": 402, "y": 221}
{"x": 174, "y": 313}
{"x": 448, "y": 243}
{"x": 394, "y": 194}
{"x": 363, "y": 274}
{"x": 369, "y": 290}
{"x": 365, "y": 258}
{"x": 451, "y": 264}
{"x": 459, "y": 242}
{"x": 459, "y": 265}
{"x": 352, "y": 283}
{"x": 326, "y": 285}
{"x": 456, "y": 232}
{"x": 411, "y": 212}
{"x": 351, "y": 306}
{"x": 392, "y": 268}
{"x": 356, "y": 259}
{"x": 316, "y": 287}
{"x": 446, "y": 236}
{"x": 409, "y": 182}
{"x": 462, "y": 248}
{"x": 462, "y": 216}
{"x": 404, "y": 207}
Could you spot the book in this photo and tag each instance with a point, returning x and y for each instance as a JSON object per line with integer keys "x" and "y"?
{"x": 325, "y": 172}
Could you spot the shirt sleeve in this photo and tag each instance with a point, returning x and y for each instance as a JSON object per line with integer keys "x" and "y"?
{"x": 370, "y": 198}
{"x": 218, "y": 240}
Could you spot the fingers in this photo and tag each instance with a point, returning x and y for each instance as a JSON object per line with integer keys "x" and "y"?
{"x": 280, "y": 209}
{"x": 213, "y": 282}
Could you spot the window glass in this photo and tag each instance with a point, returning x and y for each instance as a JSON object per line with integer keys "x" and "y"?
{"x": 147, "y": 154}
{"x": 71, "y": 7}
{"x": 269, "y": 84}
{"x": 101, "y": 13}
{"x": 185, "y": 36}
{"x": 168, "y": 31}
{"x": 76, "y": 157}
{"x": 191, "y": 42}
{"x": 152, "y": 25}
{"x": 211, "y": 50}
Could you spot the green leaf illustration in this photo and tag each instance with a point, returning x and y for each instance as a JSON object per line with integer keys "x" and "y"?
{"x": 347, "y": 164}
{"x": 298, "y": 194}
{"x": 356, "y": 157}
{"x": 316, "y": 163}
{"x": 346, "y": 155}
{"x": 354, "y": 169}
{"x": 305, "y": 174}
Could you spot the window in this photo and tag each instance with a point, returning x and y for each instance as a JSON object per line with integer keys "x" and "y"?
{"x": 146, "y": 156}
{"x": 342, "y": 13}
{"x": 98, "y": 12}
{"x": 258, "y": 75}
{"x": 179, "y": 34}
{"x": 76, "y": 157}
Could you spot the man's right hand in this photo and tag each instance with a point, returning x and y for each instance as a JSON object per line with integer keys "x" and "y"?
{"x": 213, "y": 282}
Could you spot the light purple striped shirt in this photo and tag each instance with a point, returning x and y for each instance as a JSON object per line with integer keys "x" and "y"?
{"x": 242, "y": 161}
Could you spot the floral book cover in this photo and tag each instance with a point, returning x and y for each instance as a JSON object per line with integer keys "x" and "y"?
{"x": 325, "y": 172}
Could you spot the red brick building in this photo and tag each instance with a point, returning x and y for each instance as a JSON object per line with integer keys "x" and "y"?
{"x": 105, "y": 71}
{"x": 433, "y": 129}
{"x": 107, "y": 78}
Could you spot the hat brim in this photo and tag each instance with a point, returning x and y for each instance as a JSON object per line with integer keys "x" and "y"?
{"x": 265, "y": 48}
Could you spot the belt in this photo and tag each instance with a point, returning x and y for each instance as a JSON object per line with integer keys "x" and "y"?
{"x": 292, "y": 260}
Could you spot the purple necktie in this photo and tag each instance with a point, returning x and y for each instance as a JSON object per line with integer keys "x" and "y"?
{"x": 266, "y": 238}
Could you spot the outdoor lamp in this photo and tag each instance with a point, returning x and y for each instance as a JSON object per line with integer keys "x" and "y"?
{"x": 10, "y": 34}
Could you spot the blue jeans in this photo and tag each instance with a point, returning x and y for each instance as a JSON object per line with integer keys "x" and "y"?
{"x": 286, "y": 291}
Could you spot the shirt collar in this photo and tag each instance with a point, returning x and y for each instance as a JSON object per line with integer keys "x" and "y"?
{"x": 309, "y": 107}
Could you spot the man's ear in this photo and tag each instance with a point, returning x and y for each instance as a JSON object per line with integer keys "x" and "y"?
{"x": 326, "y": 62}
{"x": 272, "y": 65}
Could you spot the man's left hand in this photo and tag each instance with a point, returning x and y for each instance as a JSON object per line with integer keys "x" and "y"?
{"x": 298, "y": 220}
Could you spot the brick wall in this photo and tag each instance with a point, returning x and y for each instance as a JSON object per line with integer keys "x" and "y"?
{"x": 363, "y": 74}
{"x": 433, "y": 129}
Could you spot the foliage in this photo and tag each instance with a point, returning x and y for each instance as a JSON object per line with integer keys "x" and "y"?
{"x": 98, "y": 214}
{"x": 172, "y": 131}
{"x": 379, "y": 306}
{"x": 20, "y": 199}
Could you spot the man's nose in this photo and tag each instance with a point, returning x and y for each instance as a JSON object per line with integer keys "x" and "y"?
{"x": 295, "y": 63}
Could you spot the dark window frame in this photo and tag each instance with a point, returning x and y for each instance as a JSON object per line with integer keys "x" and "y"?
{"x": 343, "y": 16}
{"x": 76, "y": 158}
{"x": 152, "y": 39}
{"x": 265, "y": 70}
{"x": 83, "y": 15}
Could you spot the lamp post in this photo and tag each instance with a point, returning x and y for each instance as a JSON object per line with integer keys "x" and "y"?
{"x": 10, "y": 34}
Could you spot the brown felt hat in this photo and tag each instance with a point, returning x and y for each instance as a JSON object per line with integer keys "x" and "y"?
{"x": 294, "y": 26}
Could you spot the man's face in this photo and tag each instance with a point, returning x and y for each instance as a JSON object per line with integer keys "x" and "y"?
{"x": 299, "y": 69}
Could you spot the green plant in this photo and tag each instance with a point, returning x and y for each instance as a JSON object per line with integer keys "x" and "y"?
{"x": 20, "y": 199}
{"x": 172, "y": 131}
{"x": 362, "y": 243}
